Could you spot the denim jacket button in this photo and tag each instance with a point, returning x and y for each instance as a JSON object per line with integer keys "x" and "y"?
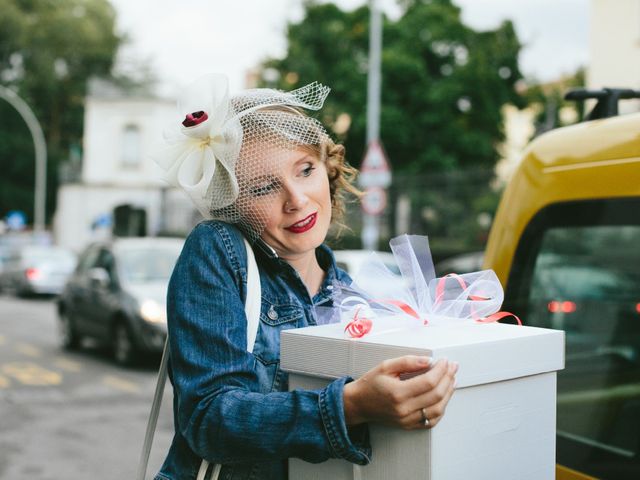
{"x": 272, "y": 314}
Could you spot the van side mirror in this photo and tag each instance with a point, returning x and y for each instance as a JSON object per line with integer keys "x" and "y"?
{"x": 99, "y": 277}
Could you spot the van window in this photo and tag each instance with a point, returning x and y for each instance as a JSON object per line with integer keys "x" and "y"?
{"x": 577, "y": 269}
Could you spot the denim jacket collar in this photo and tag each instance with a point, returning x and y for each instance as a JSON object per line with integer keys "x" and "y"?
{"x": 326, "y": 260}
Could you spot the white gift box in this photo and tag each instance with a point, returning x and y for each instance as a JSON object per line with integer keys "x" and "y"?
{"x": 499, "y": 424}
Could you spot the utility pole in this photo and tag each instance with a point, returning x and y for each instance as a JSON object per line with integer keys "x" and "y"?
{"x": 374, "y": 80}
{"x": 375, "y": 175}
{"x": 40, "y": 197}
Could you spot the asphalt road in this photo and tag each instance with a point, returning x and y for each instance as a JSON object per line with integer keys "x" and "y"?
{"x": 70, "y": 415}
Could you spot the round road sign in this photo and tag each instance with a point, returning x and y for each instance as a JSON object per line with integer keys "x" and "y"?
{"x": 374, "y": 200}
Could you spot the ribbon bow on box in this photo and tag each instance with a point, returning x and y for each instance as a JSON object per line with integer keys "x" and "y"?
{"x": 379, "y": 300}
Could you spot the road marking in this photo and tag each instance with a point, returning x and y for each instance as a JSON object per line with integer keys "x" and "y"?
{"x": 68, "y": 365}
{"x": 31, "y": 374}
{"x": 28, "y": 350}
{"x": 120, "y": 384}
{"x": 4, "y": 382}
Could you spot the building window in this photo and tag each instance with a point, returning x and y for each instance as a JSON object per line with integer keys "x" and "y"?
{"x": 131, "y": 147}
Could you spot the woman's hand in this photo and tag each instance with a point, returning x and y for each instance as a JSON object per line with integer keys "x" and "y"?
{"x": 381, "y": 396}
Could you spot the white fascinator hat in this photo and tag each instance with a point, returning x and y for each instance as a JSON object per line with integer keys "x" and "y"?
{"x": 228, "y": 144}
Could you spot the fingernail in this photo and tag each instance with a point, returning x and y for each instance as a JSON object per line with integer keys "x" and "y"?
{"x": 455, "y": 365}
{"x": 441, "y": 362}
{"x": 424, "y": 360}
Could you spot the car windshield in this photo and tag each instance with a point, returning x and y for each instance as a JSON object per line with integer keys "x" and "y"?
{"x": 148, "y": 264}
{"x": 582, "y": 282}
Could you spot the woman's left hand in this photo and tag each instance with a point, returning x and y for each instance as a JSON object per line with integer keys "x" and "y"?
{"x": 381, "y": 395}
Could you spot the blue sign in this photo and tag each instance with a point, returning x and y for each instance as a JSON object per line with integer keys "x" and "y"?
{"x": 104, "y": 220}
{"x": 16, "y": 220}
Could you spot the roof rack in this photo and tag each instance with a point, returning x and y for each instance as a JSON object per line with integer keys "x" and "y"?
{"x": 608, "y": 99}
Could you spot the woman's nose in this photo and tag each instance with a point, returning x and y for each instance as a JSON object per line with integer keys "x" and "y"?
{"x": 295, "y": 200}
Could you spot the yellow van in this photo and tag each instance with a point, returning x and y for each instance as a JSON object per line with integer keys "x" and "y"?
{"x": 566, "y": 245}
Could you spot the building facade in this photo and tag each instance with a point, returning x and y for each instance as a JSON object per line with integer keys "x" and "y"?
{"x": 614, "y": 47}
{"x": 117, "y": 171}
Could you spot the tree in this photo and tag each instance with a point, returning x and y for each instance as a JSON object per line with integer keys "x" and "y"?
{"x": 552, "y": 109}
{"x": 443, "y": 83}
{"x": 48, "y": 50}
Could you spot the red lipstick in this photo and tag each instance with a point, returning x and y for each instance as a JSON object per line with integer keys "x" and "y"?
{"x": 303, "y": 225}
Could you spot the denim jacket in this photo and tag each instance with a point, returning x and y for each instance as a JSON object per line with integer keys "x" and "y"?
{"x": 232, "y": 407}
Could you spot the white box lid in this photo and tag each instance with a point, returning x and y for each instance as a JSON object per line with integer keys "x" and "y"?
{"x": 486, "y": 352}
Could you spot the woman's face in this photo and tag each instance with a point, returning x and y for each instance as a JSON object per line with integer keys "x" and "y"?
{"x": 293, "y": 203}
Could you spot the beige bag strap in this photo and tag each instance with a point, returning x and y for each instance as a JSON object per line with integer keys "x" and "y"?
{"x": 252, "y": 310}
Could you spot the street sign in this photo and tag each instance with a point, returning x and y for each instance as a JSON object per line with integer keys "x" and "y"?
{"x": 374, "y": 200}
{"x": 16, "y": 220}
{"x": 375, "y": 171}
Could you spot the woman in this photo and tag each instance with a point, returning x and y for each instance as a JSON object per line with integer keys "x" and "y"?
{"x": 257, "y": 167}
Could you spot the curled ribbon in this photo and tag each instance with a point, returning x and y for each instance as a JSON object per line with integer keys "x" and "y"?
{"x": 359, "y": 326}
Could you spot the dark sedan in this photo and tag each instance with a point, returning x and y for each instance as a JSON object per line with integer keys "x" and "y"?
{"x": 117, "y": 296}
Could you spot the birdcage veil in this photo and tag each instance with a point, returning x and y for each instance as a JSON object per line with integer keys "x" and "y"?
{"x": 228, "y": 153}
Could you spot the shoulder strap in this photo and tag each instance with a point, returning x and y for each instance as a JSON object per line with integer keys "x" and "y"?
{"x": 252, "y": 311}
{"x": 253, "y": 301}
{"x": 153, "y": 415}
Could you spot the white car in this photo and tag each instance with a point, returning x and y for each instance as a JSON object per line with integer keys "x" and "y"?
{"x": 37, "y": 270}
{"x": 463, "y": 263}
{"x": 352, "y": 260}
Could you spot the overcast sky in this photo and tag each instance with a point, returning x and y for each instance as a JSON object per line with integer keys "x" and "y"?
{"x": 183, "y": 40}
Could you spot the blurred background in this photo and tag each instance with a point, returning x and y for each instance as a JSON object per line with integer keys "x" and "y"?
{"x": 465, "y": 86}
{"x": 87, "y": 88}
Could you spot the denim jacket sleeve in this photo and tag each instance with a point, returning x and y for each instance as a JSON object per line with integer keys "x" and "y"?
{"x": 220, "y": 411}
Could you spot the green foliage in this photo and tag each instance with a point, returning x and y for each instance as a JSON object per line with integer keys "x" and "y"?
{"x": 48, "y": 50}
{"x": 443, "y": 83}
{"x": 552, "y": 109}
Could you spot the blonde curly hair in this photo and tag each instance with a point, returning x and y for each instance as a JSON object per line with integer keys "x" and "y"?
{"x": 342, "y": 176}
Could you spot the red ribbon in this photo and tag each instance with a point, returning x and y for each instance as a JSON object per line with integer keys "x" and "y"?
{"x": 496, "y": 317}
{"x": 359, "y": 326}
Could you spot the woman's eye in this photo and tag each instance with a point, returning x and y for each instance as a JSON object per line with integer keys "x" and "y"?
{"x": 307, "y": 171}
{"x": 262, "y": 190}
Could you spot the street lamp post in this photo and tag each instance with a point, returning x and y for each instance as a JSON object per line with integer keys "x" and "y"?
{"x": 40, "y": 151}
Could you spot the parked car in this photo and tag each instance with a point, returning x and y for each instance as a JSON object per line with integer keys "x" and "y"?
{"x": 5, "y": 251}
{"x": 36, "y": 269}
{"x": 117, "y": 296}
{"x": 565, "y": 243}
{"x": 463, "y": 263}
{"x": 351, "y": 260}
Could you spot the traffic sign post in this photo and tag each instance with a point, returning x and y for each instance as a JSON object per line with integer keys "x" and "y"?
{"x": 374, "y": 200}
{"x": 375, "y": 171}
{"x": 374, "y": 178}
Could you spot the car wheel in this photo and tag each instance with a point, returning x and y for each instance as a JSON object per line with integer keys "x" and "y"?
{"x": 69, "y": 337}
{"x": 124, "y": 348}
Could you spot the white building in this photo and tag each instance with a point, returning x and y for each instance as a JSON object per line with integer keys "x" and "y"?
{"x": 614, "y": 47}
{"x": 120, "y": 133}
{"x": 614, "y": 62}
